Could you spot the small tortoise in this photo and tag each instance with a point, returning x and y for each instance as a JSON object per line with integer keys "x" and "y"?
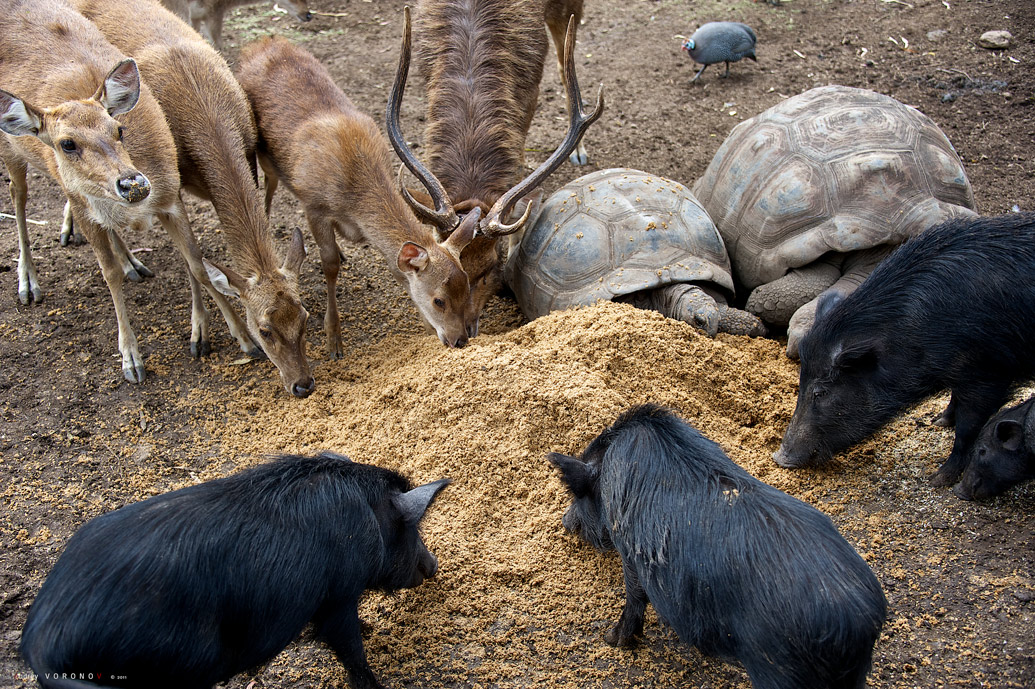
{"x": 812, "y": 193}
{"x": 630, "y": 236}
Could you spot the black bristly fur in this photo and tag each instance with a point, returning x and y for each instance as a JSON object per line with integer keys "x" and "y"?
{"x": 953, "y": 308}
{"x": 188, "y": 588}
{"x": 1003, "y": 454}
{"x": 738, "y": 568}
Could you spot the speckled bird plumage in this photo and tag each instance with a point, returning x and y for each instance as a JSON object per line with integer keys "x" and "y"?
{"x": 720, "y": 42}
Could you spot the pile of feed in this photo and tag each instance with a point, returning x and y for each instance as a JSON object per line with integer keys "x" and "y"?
{"x": 513, "y": 587}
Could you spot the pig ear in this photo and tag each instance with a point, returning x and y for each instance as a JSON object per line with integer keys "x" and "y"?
{"x": 579, "y": 477}
{"x": 826, "y": 303}
{"x": 414, "y": 503}
{"x": 858, "y": 356}
{"x": 1010, "y": 433}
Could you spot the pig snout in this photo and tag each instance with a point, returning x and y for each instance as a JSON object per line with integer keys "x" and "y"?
{"x": 788, "y": 459}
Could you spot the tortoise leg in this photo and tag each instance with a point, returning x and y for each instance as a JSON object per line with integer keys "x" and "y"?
{"x": 857, "y": 266}
{"x": 683, "y": 302}
{"x": 735, "y": 321}
{"x": 775, "y": 302}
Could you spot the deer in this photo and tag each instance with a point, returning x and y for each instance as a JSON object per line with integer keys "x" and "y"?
{"x": 206, "y": 16}
{"x": 482, "y": 61}
{"x": 334, "y": 159}
{"x": 215, "y": 135}
{"x": 74, "y": 107}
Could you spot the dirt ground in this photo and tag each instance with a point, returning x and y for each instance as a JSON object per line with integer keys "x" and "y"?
{"x": 518, "y": 602}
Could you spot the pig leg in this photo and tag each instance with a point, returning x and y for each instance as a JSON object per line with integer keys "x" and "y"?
{"x": 973, "y": 409}
{"x": 947, "y": 419}
{"x": 630, "y": 624}
{"x": 341, "y": 630}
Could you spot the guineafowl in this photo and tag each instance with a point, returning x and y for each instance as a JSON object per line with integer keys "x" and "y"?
{"x": 720, "y": 42}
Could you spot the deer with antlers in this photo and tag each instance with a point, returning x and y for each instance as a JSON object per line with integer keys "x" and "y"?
{"x": 333, "y": 158}
{"x": 74, "y": 107}
{"x": 214, "y": 130}
{"x": 482, "y": 61}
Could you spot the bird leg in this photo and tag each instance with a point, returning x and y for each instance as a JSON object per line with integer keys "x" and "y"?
{"x": 699, "y": 73}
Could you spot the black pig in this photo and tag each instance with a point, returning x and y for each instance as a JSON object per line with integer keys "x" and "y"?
{"x": 738, "y": 568}
{"x": 1003, "y": 454}
{"x": 191, "y": 587}
{"x": 953, "y": 308}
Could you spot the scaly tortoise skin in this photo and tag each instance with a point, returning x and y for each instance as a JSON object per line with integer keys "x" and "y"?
{"x": 812, "y": 193}
{"x": 631, "y": 236}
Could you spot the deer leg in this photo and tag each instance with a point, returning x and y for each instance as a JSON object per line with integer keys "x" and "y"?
{"x": 100, "y": 242}
{"x": 214, "y": 29}
{"x": 28, "y": 283}
{"x": 176, "y": 224}
{"x": 132, "y": 268}
{"x": 270, "y": 179}
{"x": 330, "y": 260}
{"x": 68, "y": 233}
{"x": 200, "y": 344}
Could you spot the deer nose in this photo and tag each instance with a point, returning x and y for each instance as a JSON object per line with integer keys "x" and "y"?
{"x": 133, "y": 187}
{"x": 460, "y": 342}
{"x": 303, "y": 388}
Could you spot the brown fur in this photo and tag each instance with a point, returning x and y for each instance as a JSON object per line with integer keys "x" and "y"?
{"x": 212, "y": 123}
{"x": 55, "y": 60}
{"x": 336, "y": 161}
{"x": 482, "y": 61}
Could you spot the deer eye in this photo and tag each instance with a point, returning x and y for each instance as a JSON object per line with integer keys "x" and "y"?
{"x": 122, "y": 131}
{"x": 439, "y": 302}
{"x": 68, "y": 146}
{"x": 265, "y": 333}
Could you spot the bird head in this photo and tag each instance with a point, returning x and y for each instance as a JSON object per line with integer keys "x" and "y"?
{"x": 688, "y": 45}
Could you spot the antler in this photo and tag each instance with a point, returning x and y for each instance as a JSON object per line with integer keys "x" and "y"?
{"x": 443, "y": 217}
{"x": 491, "y": 226}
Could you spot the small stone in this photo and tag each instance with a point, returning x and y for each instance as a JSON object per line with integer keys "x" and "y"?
{"x": 937, "y": 35}
{"x": 996, "y": 40}
{"x": 1024, "y": 596}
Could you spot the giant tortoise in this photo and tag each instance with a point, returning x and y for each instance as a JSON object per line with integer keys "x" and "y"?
{"x": 631, "y": 236}
{"x": 812, "y": 193}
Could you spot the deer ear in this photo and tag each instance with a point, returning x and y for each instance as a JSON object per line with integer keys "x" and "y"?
{"x": 227, "y": 282}
{"x": 295, "y": 254}
{"x": 464, "y": 233}
{"x": 17, "y": 117}
{"x": 121, "y": 88}
{"x": 412, "y": 258}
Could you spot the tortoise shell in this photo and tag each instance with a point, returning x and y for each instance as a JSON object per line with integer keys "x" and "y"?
{"x": 833, "y": 169}
{"x": 614, "y": 232}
